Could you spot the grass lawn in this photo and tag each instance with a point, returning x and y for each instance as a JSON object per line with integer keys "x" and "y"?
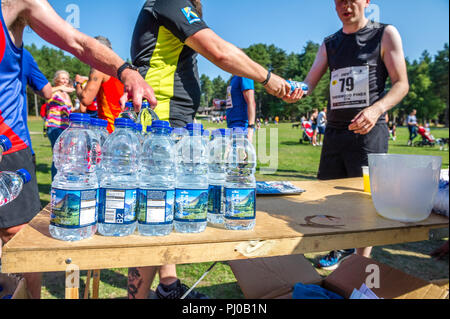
{"x": 295, "y": 162}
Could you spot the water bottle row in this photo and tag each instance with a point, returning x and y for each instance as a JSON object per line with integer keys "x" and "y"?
{"x": 156, "y": 182}
{"x": 11, "y": 183}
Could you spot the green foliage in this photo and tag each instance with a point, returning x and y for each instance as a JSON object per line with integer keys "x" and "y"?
{"x": 428, "y": 93}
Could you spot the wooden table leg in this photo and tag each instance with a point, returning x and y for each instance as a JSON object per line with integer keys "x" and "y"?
{"x": 72, "y": 282}
{"x": 88, "y": 284}
{"x": 96, "y": 283}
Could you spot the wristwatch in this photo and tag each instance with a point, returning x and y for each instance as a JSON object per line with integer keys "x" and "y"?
{"x": 125, "y": 66}
{"x": 75, "y": 83}
{"x": 251, "y": 126}
{"x": 269, "y": 74}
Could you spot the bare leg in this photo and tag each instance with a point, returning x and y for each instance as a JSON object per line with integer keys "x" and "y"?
{"x": 34, "y": 284}
{"x": 139, "y": 281}
{"x": 365, "y": 252}
{"x": 168, "y": 274}
{"x": 141, "y": 278}
{"x": 33, "y": 280}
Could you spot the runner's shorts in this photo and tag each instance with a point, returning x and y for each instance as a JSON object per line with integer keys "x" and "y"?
{"x": 27, "y": 205}
{"x": 344, "y": 152}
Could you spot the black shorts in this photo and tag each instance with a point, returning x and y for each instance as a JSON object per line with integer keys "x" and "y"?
{"x": 344, "y": 152}
{"x": 27, "y": 205}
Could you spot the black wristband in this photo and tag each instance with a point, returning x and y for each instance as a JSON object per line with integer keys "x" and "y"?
{"x": 125, "y": 66}
{"x": 251, "y": 126}
{"x": 267, "y": 79}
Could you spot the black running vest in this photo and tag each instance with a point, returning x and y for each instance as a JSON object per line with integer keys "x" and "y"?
{"x": 362, "y": 48}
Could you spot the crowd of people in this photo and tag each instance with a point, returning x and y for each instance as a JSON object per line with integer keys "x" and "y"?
{"x": 166, "y": 40}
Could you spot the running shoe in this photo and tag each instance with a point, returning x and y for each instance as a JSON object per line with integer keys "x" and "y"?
{"x": 334, "y": 258}
{"x": 176, "y": 291}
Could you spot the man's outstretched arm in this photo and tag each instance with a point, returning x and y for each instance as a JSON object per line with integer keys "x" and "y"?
{"x": 233, "y": 60}
{"x": 88, "y": 94}
{"x": 316, "y": 72}
{"x": 318, "y": 68}
{"x": 51, "y": 27}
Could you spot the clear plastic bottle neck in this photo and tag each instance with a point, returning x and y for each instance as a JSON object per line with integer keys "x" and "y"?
{"x": 195, "y": 133}
{"x": 160, "y": 131}
{"x": 79, "y": 124}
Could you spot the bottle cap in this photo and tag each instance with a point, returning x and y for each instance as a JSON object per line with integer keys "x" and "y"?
{"x": 25, "y": 175}
{"x": 222, "y": 132}
{"x": 160, "y": 124}
{"x": 102, "y": 123}
{"x": 5, "y": 143}
{"x": 129, "y": 104}
{"x": 145, "y": 104}
{"x": 94, "y": 122}
{"x": 139, "y": 127}
{"x": 79, "y": 118}
{"x": 124, "y": 122}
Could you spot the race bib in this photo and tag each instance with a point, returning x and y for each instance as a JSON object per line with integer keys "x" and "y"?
{"x": 349, "y": 88}
{"x": 229, "y": 99}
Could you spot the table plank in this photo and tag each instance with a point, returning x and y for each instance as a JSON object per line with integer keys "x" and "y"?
{"x": 284, "y": 225}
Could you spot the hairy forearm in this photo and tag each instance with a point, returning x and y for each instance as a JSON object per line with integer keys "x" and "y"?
{"x": 235, "y": 61}
{"x": 226, "y": 55}
{"x": 93, "y": 53}
{"x": 51, "y": 27}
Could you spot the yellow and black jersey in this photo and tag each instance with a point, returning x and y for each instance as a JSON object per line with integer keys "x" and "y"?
{"x": 166, "y": 63}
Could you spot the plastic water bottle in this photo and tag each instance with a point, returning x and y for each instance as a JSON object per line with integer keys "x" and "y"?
{"x": 217, "y": 150}
{"x": 299, "y": 85}
{"x": 119, "y": 181}
{"x": 139, "y": 133}
{"x": 99, "y": 127}
{"x": 128, "y": 112}
{"x": 157, "y": 182}
{"x": 178, "y": 134}
{"x": 191, "y": 193}
{"x": 146, "y": 116}
{"x": 11, "y": 185}
{"x": 5, "y": 145}
{"x": 206, "y": 137}
{"x": 240, "y": 184}
{"x": 75, "y": 187}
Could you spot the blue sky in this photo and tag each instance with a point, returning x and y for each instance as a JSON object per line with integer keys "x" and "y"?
{"x": 287, "y": 24}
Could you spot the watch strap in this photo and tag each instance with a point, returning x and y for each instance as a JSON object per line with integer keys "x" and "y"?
{"x": 125, "y": 66}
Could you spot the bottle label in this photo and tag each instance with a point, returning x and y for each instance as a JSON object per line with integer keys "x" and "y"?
{"x": 73, "y": 208}
{"x": 156, "y": 207}
{"x": 240, "y": 203}
{"x": 117, "y": 206}
{"x": 215, "y": 199}
{"x": 191, "y": 205}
